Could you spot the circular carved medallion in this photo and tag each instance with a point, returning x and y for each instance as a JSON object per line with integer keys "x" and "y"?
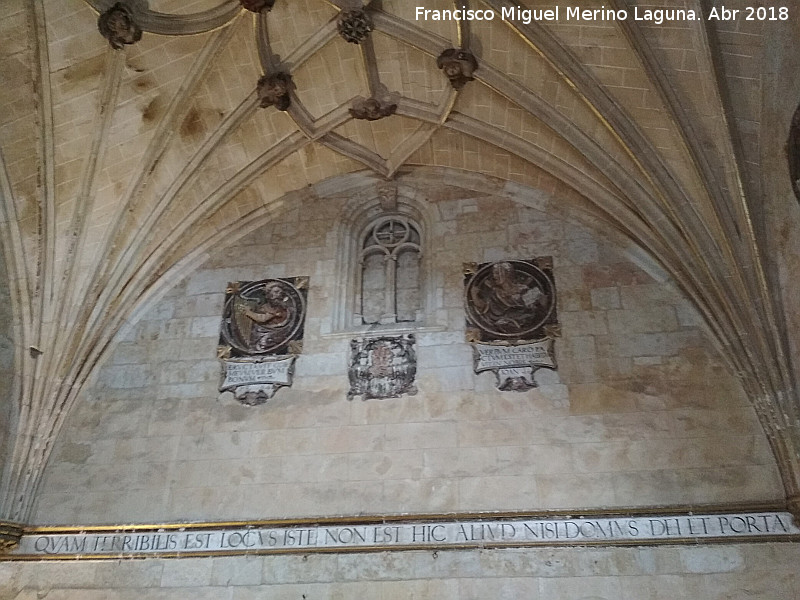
{"x": 263, "y": 316}
{"x": 510, "y": 299}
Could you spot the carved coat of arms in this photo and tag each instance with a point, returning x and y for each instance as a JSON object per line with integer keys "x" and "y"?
{"x": 383, "y": 367}
{"x": 261, "y": 334}
{"x": 511, "y": 319}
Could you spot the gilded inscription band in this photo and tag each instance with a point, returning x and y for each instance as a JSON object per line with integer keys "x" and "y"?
{"x": 405, "y": 533}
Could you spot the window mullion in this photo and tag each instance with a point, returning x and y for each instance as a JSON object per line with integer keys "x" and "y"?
{"x": 390, "y": 315}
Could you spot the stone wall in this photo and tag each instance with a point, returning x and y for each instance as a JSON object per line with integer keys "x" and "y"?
{"x": 765, "y": 571}
{"x": 641, "y": 411}
{"x": 781, "y": 213}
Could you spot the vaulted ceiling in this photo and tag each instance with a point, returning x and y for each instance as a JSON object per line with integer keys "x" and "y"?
{"x": 120, "y": 169}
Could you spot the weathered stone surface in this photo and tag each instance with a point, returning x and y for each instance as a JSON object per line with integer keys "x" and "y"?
{"x": 764, "y": 570}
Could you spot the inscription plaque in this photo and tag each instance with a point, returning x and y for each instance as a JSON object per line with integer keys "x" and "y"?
{"x": 256, "y": 378}
{"x": 514, "y": 366}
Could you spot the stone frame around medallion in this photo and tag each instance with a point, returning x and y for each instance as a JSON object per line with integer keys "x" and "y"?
{"x": 370, "y": 204}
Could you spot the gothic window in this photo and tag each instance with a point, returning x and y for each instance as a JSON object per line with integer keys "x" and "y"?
{"x": 390, "y": 271}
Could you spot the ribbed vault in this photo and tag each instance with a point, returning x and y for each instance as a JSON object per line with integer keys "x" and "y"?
{"x": 118, "y": 168}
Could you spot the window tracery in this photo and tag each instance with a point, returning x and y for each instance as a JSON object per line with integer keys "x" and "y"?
{"x": 384, "y": 282}
{"x": 389, "y": 286}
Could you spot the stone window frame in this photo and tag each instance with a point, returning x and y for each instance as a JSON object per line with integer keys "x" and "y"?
{"x": 371, "y": 245}
{"x": 365, "y": 208}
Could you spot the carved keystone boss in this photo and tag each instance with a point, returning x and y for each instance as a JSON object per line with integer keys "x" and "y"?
{"x": 118, "y": 27}
{"x": 372, "y": 109}
{"x": 354, "y": 25}
{"x": 273, "y": 90}
{"x": 458, "y": 65}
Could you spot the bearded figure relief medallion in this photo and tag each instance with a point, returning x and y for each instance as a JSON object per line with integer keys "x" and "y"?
{"x": 261, "y": 335}
{"x": 511, "y": 319}
{"x": 383, "y": 367}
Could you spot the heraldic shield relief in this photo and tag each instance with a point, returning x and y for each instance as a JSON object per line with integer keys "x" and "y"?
{"x": 511, "y": 319}
{"x": 383, "y": 367}
{"x": 261, "y": 334}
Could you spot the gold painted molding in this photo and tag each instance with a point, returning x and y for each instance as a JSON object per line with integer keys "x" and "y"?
{"x": 10, "y": 534}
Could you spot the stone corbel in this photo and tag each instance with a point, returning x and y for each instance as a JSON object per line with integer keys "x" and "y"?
{"x": 387, "y": 195}
{"x": 10, "y": 534}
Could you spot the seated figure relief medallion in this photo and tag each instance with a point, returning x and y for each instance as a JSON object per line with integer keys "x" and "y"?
{"x": 511, "y": 319}
{"x": 261, "y": 335}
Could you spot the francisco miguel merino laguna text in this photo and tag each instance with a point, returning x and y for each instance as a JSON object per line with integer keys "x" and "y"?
{"x": 576, "y": 13}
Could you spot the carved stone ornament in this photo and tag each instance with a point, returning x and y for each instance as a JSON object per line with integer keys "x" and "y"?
{"x": 10, "y": 534}
{"x": 372, "y": 109}
{"x": 255, "y": 380}
{"x": 387, "y": 195}
{"x": 382, "y": 367}
{"x": 514, "y": 365}
{"x": 273, "y": 90}
{"x": 458, "y": 65}
{"x": 257, "y": 5}
{"x": 261, "y": 332}
{"x": 118, "y": 26}
{"x": 511, "y": 319}
{"x": 354, "y": 25}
